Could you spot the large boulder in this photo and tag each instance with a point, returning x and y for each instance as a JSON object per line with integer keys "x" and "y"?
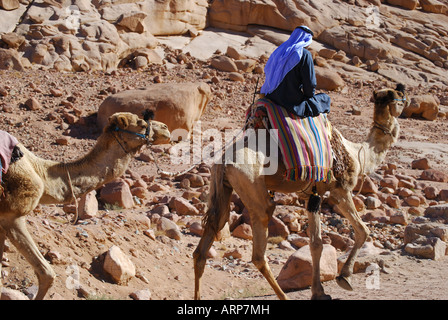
{"x": 328, "y": 79}
{"x": 297, "y": 272}
{"x": 177, "y": 105}
{"x": 426, "y": 106}
{"x": 10, "y": 60}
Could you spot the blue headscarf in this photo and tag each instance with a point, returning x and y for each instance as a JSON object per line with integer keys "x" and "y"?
{"x": 285, "y": 57}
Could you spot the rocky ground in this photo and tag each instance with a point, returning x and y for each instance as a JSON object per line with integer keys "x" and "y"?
{"x": 61, "y": 125}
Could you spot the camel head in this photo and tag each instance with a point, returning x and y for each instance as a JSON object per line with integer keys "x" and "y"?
{"x": 133, "y": 131}
{"x": 389, "y": 103}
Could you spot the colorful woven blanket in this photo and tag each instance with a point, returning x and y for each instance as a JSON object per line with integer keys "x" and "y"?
{"x": 7, "y": 144}
{"x": 303, "y": 142}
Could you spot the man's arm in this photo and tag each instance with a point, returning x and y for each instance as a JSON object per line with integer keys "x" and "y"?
{"x": 308, "y": 74}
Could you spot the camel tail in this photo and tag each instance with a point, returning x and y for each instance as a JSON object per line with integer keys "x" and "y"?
{"x": 218, "y": 201}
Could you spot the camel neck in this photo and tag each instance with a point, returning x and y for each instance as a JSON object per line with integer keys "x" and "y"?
{"x": 105, "y": 162}
{"x": 380, "y": 139}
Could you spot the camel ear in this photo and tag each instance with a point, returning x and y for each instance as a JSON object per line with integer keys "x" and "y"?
{"x": 119, "y": 120}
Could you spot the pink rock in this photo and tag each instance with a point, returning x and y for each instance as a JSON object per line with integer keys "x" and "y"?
{"x": 117, "y": 193}
{"x": 434, "y": 175}
{"x": 182, "y": 206}
{"x": 88, "y": 205}
{"x": 297, "y": 272}
{"x": 421, "y": 164}
{"x": 243, "y": 231}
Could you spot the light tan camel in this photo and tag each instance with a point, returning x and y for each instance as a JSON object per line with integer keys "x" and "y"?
{"x": 32, "y": 180}
{"x": 248, "y": 181}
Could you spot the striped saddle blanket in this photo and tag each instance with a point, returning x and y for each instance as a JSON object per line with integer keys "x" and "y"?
{"x": 7, "y": 144}
{"x": 304, "y": 142}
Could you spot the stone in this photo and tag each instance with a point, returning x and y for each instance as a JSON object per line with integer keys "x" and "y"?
{"x": 367, "y": 255}
{"x": 389, "y": 182}
{"x": 431, "y": 248}
{"x": 434, "y": 175}
{"x": 117, "y": 193}
{"x": 33, "y": 104}
{"x": 298, "y": 240}
{"x": 178, "y": 105}
{"x": 443, "y": 195}
{"x": 415, "y": 231}
{"x": 144, "y": 294}
{"x": 327, "y": 53}
{"x": 88, "y": 205}
{"x": 339, "y": 241}
{"x": 431, "y": 192}
{"x": 13, "y": 40}
{"x": 11, "y": 294}
{"x": 246, "y": 65}
{"x": 235, "y": 254}
{"x": 223, "y": 63}
{"x": 376, "y": 215}
{"x": 277, "y": 228}
{"x": 9, "y": 5}
{"x": 118, "y": 266}
{"x": 297, "y": 271}
{"x": 433, "y": 6}
{"x": 368, "y": 186}
{"x": 182, "y": 206}
{"x": 426, "y": 106}
{"x": 400, "y": 217}
{"x": 243, "y": 231}
{"x": 170, "y": 228}
{"x": 412, "y": 201}
{"x": 437, "y": 212}
{"x": 393, "y": 201}
{"x": 196, "y": 228}
{"x": 328, "y": 79}
{"x": 236, "y": 76}
{"x": 421, "y": 164}
{"x": 372, "y": 203}
{"x": 407, "y": 4}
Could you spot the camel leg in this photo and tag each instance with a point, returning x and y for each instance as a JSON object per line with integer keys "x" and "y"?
{"x": 200, "y": 258}
{"x": 260, "y": 235}
{"x": 217, "y": 216}
{"x": 260, "y": 212}
{"x": 316, "y": 247}
{"x": 22, "y": 240}
{"x": 348, "y": 209}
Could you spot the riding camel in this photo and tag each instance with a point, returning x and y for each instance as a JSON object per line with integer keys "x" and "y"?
{"x": 249, "y": 182}
{"x": 31, "y": 180}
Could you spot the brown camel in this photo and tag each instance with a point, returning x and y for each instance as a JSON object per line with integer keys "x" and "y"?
{"x": 32, "y": 180}
{"x": 248, "y": 181}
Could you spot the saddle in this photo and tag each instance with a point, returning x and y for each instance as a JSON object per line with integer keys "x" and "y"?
{"x": 9, "y": 153}
{"x": 304, "y": 142}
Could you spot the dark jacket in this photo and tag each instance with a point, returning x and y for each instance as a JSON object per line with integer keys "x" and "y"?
{"x": 296, "y": 91}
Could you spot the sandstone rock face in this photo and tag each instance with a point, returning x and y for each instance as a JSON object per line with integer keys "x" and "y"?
{"x": 390, "y": 39}
{"x": 179, "y": 105}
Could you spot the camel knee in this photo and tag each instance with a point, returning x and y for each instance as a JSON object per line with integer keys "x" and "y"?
{"x": 259, "y": 261}
{"x": 316, "y": 246}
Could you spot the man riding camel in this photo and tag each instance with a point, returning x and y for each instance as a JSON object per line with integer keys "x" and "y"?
{"x": 290, "y": 77}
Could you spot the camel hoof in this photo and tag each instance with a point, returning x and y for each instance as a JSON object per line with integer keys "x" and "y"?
{"x": 344, "y": 283}
{"x": 321, "y": 297}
